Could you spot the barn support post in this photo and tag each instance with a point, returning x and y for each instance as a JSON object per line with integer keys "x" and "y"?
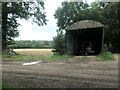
{"x": 103, "y": 35}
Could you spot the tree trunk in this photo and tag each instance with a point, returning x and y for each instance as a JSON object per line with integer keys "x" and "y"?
{"x": 4, "y": 25}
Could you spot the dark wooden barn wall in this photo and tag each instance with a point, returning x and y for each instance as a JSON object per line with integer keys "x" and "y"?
{"x": 76, "y": 37}
{"x": 69, "y": 43}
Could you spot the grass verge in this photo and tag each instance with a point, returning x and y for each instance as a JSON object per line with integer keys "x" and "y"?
{"x": 5, "y": 56}
{"x": 35, "y": 57}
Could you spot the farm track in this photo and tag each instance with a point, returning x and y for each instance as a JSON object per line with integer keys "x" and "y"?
{"x": 62, "y": 74}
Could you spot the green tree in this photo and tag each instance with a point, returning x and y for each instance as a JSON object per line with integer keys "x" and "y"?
{"x": 32, "y": 44}
{"x": 59, "y": 43}
{"x": 12, "y": 11}
{"x": 111, "y": 14}
{"x": 71, "y": 12}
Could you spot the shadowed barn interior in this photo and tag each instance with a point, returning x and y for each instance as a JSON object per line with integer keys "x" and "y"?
{"x": 85, "y": 38}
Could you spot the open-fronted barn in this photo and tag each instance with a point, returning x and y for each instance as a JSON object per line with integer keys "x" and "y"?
{"x": 85, "y": 37}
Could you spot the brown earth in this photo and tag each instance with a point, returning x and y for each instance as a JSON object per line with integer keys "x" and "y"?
{"x": 72, "y": 73}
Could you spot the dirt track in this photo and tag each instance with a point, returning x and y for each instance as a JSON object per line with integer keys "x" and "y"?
{"x": 62, "y": 74}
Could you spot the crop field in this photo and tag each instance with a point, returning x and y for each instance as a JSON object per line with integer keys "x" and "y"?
{"x": 33, "y": 51}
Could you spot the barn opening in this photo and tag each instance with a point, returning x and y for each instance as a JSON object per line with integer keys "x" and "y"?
{"x": 85, "y": 38}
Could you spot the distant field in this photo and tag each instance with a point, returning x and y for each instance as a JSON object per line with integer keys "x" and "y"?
{"x": 33, "y": 51}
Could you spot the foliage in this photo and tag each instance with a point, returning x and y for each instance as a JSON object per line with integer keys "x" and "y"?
{"x": 106, "y": 56}
{"x": 12, "y": 11}
{"x": 71, "y": 12}
{"x": 59, "y": 43}
{"x": 32, "y": 44}
{"x": 111, "y": 14}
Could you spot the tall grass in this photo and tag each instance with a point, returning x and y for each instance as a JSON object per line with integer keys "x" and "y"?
{"x": 106, "y": 56}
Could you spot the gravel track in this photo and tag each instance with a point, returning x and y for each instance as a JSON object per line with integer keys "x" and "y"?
{"x": 62, "y": 74}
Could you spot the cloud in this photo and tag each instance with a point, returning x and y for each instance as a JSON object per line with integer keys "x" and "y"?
{"x": 30, "y": 31}
{"x": 35, "y": 32}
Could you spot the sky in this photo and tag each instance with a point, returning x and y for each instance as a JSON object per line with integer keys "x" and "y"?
{"x": 29, "y": 31}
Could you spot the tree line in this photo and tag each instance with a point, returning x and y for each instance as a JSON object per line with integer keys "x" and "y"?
{"x": 37, "y": 44}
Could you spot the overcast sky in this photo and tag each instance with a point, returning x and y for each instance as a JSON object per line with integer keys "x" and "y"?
{"x": 29, "y": 31}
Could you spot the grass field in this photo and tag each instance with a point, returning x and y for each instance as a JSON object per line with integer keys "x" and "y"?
{"x": 33, "y": 51}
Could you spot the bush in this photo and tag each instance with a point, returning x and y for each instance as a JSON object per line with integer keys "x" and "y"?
{"x": 59, "y": 43}
{"x": 105, "y": 56}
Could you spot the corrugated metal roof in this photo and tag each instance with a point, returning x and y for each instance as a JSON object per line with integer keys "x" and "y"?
{"x": 85, "y": 24}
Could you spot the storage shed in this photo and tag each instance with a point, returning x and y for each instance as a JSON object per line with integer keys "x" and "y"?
{"x": 85, "y": 38}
